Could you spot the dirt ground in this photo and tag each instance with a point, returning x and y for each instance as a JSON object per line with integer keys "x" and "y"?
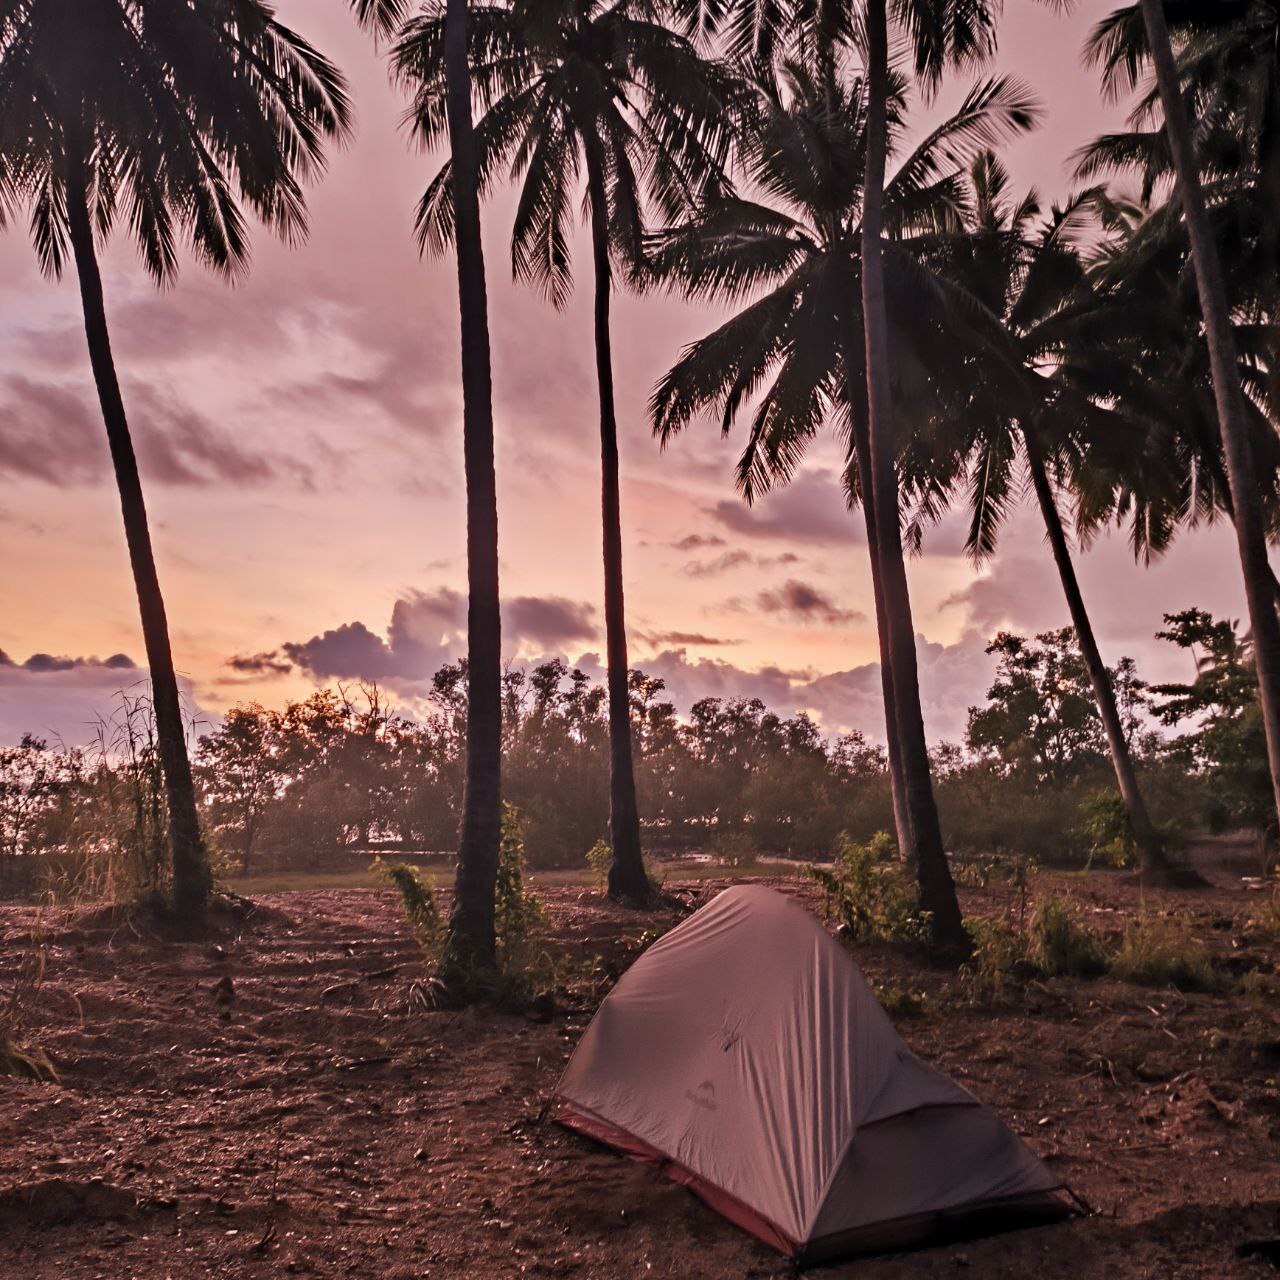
{"x": 273, "y": 1102}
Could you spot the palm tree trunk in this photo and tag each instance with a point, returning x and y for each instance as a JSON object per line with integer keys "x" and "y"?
{"x": 856, "y": 393}
{"x": 1242, "y": 480}
{"x": 1151, "y": 859}
{"x": 191, "y": 879}
{"x": 937, "y": 889}
{"x": 470, "y": 945}
{"x": 628, "y": 881}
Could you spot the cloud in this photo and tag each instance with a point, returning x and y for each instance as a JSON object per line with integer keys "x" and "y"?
{"x": 550, "y": 621}
{"x": 51, "y": 432}
{"x": 64, "y": 699}
{"x": 698, "y": 542}
{"x": 810, "y": 509}
{"x": 721, "y": 564}
{"x": 805, "y": 603}
{"x": 735, "y": 560}
{"x": 428, "y": 630}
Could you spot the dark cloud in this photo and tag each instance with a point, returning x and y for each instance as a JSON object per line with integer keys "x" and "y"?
{"x": 46, "y": 662}
{"x": 261, "y": 664}
{"x": 679, "y": 638}
{"x": 810, "y": 509}
{"x": 802, "y": 602}
{"x": 549, "y": 621}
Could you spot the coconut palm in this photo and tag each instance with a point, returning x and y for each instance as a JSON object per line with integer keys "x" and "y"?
{"x": 1249, "y": 517}
{"x": 601, "y": 95}
{"x": 177, "y": 117}
{"x": 1040, "y": 400}
{"x": 443, "y": 92}
{"x": 797, "y": 346}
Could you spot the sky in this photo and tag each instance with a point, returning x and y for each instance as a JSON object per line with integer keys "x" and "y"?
{"x": 300, "y": 443}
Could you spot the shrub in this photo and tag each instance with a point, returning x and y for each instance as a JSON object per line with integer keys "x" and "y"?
{"x": 1159, "y": 952}
{"x": 870, "y": 897}
{"x": 1061, "y": 945}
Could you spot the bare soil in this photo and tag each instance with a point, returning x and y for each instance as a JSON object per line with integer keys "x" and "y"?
{"x": 273, "y": 1101}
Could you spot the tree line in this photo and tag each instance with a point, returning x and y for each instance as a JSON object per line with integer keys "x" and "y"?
{"x": 322, "y": 782}
{"x": 955, "y": 335}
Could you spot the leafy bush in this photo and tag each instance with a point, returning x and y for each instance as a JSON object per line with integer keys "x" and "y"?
{"x": 1160, "y": 952}
{"x": 1061, "y": 945}
{"x": 871, "y": 897}
{"x": 599, "y": 860}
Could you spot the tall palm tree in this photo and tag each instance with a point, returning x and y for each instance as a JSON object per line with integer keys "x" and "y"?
{"x": 1249, "y": 517}
{"x": 175, "y": 116}
{"x": 601, "y": 94}
{"x": 938, "y": 34}
{"x": 442, "y": 89}
{"x": 1040, "y": 398}
{"x": 797, "y": 345}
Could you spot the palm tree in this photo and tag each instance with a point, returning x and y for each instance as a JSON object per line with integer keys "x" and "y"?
{"x": 1249, "y": 517}
{"x": 604, "y": 94}
{"x": 442, "y": 89}
{"x": 1038, "y": 398}
{"x": 182, "y": 114}
{"x": 798, "y": 344}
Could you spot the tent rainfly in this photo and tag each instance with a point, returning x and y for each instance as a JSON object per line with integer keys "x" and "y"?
{"x": 746, "y": 1057}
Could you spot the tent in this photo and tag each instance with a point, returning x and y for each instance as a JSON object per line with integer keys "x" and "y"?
{"x": 746, "y": 1057}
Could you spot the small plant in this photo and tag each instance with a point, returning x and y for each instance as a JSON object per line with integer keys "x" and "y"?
{"x": 1061, "y": 945}
{"x": 869, "y": 896}
{"x": 902, "y": 1002}
{"x": 600, "y": 859}
{"x": 420, "y": 907}
{"x": 1160, "y": 952}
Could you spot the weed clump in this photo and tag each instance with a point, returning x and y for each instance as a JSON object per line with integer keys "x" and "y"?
{"x": 18, "y": 1056}
{"x": 1160, "y": 952}
{"x": 1062, "y": 946}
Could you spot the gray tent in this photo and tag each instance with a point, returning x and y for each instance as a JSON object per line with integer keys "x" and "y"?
{"x": 745, "y": 1055}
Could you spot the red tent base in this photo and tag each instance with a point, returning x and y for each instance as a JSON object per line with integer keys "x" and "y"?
{"x": 988, "y": 1217}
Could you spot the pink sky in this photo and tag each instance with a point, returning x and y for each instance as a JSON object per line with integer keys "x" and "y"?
{"x": 301, "y": 447}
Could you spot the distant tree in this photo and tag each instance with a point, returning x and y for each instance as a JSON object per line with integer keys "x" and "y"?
{"x": 1041, "y": 720}
{"x": 177, "y": 116}
{"x": 238, "y": 771}
{"x": 1223, "y": 738}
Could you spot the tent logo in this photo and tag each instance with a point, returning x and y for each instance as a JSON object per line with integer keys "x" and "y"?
{"x": 703, "y": 1096}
